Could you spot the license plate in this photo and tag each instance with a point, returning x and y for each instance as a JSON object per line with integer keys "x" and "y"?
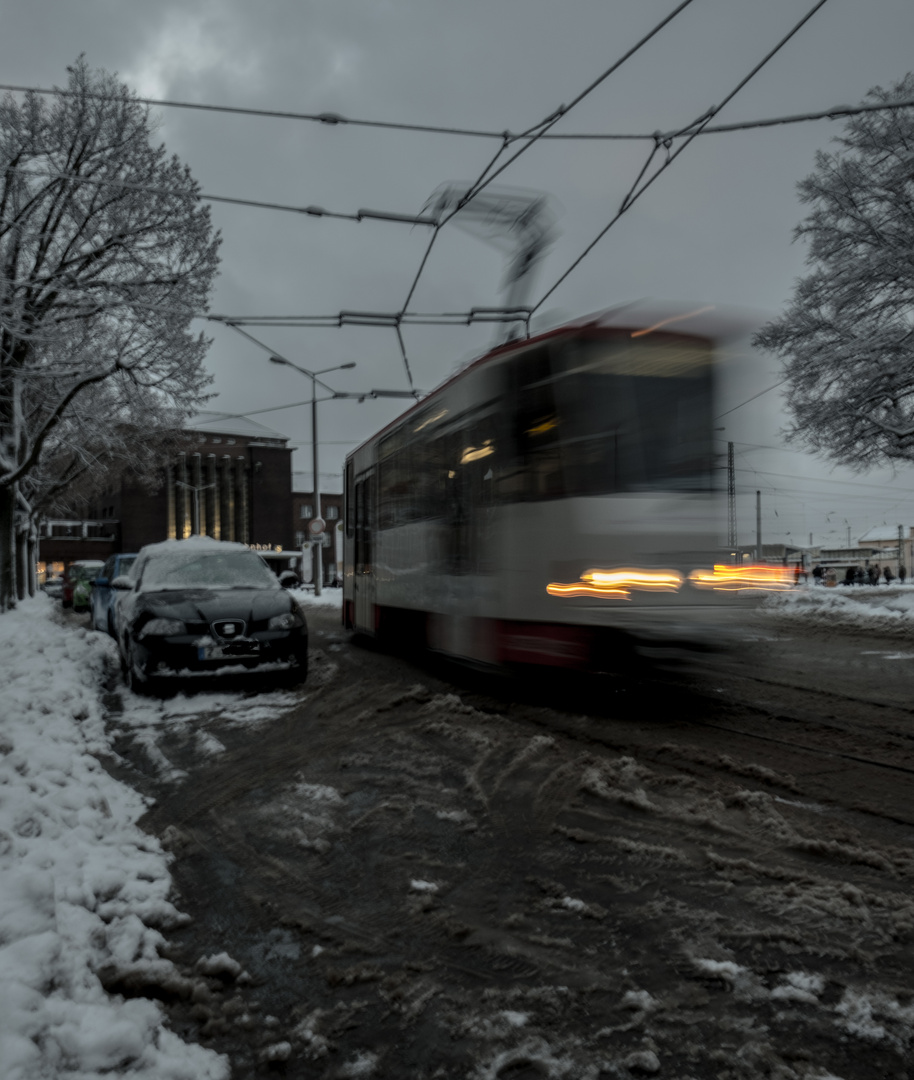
{"x": 241, "y": 650}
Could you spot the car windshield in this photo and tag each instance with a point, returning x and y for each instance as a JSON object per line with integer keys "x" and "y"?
{"x": 207, "y": 570}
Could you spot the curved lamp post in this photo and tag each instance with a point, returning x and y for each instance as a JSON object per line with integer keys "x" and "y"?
{"x": 312, "y": 375}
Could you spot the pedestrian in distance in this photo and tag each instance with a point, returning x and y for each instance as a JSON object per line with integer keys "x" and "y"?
{"x": 859, "y": 576}
{"x": 902, "y": 574}
{"x": 888, "y": 575}
{"x": 817, "y": 574}
{"x": 872, "y": 573}
{"x": 850, "y": 575}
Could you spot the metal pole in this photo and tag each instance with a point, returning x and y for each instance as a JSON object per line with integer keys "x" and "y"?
{"x": 731, "y": 501}
{"x": 318, "y": 540}
{"x": 758, "y": 524}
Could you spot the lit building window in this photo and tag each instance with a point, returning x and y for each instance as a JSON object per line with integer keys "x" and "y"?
{"x": 307, "y": 510}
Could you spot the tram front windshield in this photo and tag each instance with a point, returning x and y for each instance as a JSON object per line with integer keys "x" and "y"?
{"x": 614, "y": 414}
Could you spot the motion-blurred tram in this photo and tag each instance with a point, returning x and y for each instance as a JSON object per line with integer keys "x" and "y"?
{"x": 555, "y": 497}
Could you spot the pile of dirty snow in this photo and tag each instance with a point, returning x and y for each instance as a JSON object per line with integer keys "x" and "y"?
{"x": 875, "y": 609}
{"x": 83, "y": 890}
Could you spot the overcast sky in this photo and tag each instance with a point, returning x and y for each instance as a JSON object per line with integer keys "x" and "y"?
{"x": 715, "y": 228}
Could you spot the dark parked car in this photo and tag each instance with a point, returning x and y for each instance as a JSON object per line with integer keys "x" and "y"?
{"x": 199, "y": 606}
{"x": 101, "y": 603}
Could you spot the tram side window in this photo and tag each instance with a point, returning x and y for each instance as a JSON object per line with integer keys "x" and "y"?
{"x": 348, "y": 508}
{"x": 409, "y": 484}
{"x": 532, "y": 466}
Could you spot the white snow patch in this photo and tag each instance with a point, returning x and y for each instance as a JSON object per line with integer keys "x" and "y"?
{"x": 418, "y": 885}
{"x": 81, "y": 886}
{"x": 364, "y": 1064}
{"x": 219, "y": 964}
{"x": 798, "y": 986}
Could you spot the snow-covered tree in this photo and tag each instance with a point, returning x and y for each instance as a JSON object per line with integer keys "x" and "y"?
{"x": 106, "y": 253}
{"x": 847, "y": 337}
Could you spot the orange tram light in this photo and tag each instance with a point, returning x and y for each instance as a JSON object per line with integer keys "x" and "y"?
{"x": 619, "y": 584}
{"x": 754, "y": 576}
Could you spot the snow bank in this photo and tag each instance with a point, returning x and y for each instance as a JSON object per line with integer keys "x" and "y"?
{"x": 329, "y": 598}
{"x": 83, "y": 890}
{"x": 877, "y": 609}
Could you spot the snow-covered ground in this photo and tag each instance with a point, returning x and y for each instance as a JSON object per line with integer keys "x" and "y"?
{"x": 84, "y": 891}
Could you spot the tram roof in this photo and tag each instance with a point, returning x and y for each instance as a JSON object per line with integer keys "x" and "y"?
{"x": 690, "y": 320}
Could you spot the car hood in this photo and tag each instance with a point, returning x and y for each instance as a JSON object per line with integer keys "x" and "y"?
{"x": 205, "y": 605}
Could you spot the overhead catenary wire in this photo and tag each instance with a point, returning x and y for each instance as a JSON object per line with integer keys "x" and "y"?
{"x": 488, "y": 175}
{"x": 334, "y": 119}
{"x": 310, "y": 211}
{"x": 689, "y": 132}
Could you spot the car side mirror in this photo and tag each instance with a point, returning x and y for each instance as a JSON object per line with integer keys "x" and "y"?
{"x": 122, "y": 583}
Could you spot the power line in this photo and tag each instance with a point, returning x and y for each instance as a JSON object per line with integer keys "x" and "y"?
{"x": 310, "y": 211}
{"x": 332, "y": 119}
{"x": 689, "y": 132}
{"x": 487, "y": 175}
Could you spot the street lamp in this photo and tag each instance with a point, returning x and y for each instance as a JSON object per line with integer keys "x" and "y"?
{"x": 312, "y": 375}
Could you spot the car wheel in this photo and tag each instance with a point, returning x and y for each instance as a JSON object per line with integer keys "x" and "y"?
{"x": 298, "y": 671}
{"x": 135, "y": 676}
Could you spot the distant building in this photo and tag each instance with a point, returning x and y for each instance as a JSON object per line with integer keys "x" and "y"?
{"x": 233, "y": 482}
{"x": 891, "y": 545}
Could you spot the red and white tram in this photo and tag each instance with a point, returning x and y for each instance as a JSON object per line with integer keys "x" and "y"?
{"x": 557, "y": 494}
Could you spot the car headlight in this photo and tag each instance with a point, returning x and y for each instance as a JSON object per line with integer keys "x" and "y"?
{"x": 162, "y": 628}
{"x": 290, "y": 621}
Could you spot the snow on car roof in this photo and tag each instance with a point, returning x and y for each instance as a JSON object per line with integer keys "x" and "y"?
{"x": 198, "y": 543}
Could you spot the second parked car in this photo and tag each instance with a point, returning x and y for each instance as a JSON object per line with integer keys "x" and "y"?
{"x": 103, "y": 595}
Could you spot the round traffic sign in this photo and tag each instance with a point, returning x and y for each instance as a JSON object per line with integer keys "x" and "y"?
{"x": 316, "y": 526}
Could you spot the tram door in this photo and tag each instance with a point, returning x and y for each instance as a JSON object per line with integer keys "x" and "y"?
{"x": 363, "y": 560}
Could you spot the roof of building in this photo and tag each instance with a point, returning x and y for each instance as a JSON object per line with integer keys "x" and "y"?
{"x": 883, "y": 532}
{"x": 230, "y": 424}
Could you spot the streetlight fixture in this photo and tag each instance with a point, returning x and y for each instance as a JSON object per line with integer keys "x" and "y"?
{"x": 312, "y": 375}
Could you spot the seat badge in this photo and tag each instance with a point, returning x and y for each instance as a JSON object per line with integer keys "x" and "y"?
{"x": 228, "y": 628}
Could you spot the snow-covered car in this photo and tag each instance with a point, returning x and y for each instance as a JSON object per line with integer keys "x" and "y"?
{"x": 53, "y": 587}
{"x": 77, "y": 583}
{"x": 198, "y": 606}
{"x": 102, "y": 604}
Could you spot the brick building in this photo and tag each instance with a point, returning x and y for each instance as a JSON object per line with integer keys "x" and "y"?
{"x": 233, "y": 482}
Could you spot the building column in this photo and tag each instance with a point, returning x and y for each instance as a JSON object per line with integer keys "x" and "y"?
{"x": 242, "y": 501}
{"x": 183, "y": 500}
{"x": 170, "y": 502}
{"x": 228, "y": 499}
{"x": 212, "y": 499}
{"x": 196, "y": 500}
